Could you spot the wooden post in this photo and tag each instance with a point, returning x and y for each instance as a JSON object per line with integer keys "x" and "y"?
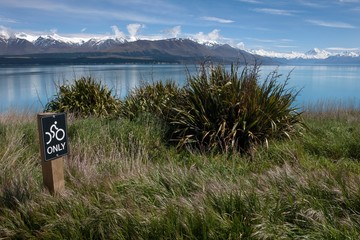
{"x": 53, "y": 175}
{"x": 52, "y": 170}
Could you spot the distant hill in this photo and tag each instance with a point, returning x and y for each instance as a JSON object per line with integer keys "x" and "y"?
{"x": 54, "y": 49}
{"x": 50, "y": 50}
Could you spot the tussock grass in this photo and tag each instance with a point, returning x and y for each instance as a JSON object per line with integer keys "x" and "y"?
{"x": 123, "y": 182}
{"x": 232, "y": 111}
{"x": 84, "y": 97}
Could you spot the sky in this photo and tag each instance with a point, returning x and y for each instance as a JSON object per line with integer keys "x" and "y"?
{"x": 272, "y": 25}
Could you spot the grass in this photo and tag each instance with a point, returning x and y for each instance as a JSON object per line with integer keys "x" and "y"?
{"x": 123, "y": 182}
{"x": 217, "y": 110}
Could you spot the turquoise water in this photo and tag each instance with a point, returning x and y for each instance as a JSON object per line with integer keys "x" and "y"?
{"x": 29, "y": 88}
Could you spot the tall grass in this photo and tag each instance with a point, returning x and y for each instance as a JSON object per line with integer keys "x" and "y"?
{"x": 122, "y": 182}
{"x": 332, "y": 109}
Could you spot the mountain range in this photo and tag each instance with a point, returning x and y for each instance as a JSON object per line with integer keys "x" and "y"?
{"x": 314, "y": 56}
{"x": 54, "y": 49}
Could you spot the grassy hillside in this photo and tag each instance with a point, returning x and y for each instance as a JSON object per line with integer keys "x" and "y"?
{"x": 123, "y": 182}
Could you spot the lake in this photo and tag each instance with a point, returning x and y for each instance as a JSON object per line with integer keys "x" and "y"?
{"x": 29, "y": 88}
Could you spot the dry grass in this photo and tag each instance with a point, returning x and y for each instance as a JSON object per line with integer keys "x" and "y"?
{"x": 122, "y": 182}
{"x": 349, "y": 110}
{"x": 14, "y": 117}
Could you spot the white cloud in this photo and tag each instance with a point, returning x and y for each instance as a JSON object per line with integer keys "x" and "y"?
{"x": 5, "y": 32}
{"x": 83, "y": 30}
{"x": 274, "y": 11}
{"x": 349, "y": 1}
{"x": 342, "y": 49}
{"x": 212, "y": 36}
{"x": 250, "y": 1}
{"x": 311, "y": 4}
{"x": 89, "y": 13}
{"x": 264, "y": 40}
{"x": 7, "y": 20}
{"x": 330, "y": 24}
{"x": 215, "y": 19}
{"x": 35, "y": 4}
{"x": 286, "y": 46}
{"x": 175, "y": 31}
{"x": 133, "y": 30}
{"x": 117, "y": 32}
{"x": 241, "y": 45}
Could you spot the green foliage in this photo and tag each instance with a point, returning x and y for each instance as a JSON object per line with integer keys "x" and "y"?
{"x": 334, "y": 139}
{"x": 14, "y": 192}
{"x": 85, "y": 97}
{"x": 118, "y": 187}
{"x": 156, "y": 98}
{"x": 217, "y": 109}
{"x": 224, "y": 111}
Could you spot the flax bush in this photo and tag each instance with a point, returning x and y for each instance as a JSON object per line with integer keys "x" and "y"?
{"x": 226, "y": 111}
{"x": 157, "y": 98}
{"x": 85, "y": 97}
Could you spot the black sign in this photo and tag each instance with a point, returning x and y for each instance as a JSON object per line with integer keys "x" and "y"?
{"x": 54, "y": 136}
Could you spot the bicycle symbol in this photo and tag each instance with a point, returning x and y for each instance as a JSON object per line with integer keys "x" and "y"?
{"x": 55, "y": 132}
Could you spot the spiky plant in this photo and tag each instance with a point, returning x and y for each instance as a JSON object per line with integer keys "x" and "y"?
{"x": 85, "y": 97}
{"x": 156, "y": 98}
{"x": 224, "y": 111}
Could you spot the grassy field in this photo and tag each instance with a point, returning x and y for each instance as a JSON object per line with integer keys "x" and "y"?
{"x": 123, "y": 182}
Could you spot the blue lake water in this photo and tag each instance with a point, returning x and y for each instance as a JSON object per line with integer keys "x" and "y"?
{"x": 29, "y": 88}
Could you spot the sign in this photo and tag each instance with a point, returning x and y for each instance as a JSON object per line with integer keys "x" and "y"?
{"x": 54, "y": 136}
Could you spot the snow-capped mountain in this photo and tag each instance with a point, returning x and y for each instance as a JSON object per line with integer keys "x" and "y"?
{"x": 124, "y": 48}
{"x": 26, "y": 36}
{"x": 48, "y": 41}
{"x": 314, "y": 54}
{"x": 103, "y": 43}
{"x": 52, "y": 39}
{"x": 54, "y": 49}
{"x": 54, "y": 43}
{"x": 100, "y": 42}
{"x": 209, "y": 43}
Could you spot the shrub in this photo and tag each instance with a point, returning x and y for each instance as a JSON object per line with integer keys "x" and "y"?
{"x": 156, "y": 98}
{"x": 224, "y": 111}
{"x": 85, "y": 97}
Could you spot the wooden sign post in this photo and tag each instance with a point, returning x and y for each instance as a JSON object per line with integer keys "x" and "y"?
{"x": 53, "y": 147}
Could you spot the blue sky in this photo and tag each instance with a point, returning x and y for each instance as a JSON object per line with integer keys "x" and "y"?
{"x": 278, "y": 25}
